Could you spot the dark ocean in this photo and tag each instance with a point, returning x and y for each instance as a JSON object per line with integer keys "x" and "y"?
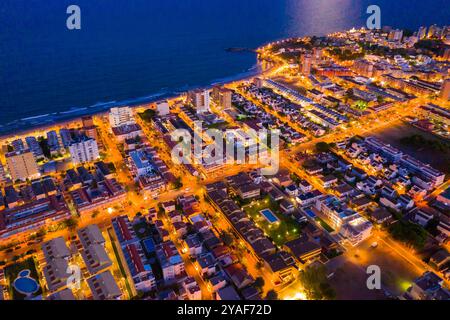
{"x": 134, "y": 50}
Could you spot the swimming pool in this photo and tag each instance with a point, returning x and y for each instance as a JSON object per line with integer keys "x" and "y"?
{"x": 268, "y": 214}
{"x": 310, "y": 213}
{"x": 24, "y": 284}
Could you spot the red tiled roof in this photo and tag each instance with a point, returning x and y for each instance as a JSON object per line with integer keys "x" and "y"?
{"x": 124, "y": 228}
{"x": 135, "y": 257}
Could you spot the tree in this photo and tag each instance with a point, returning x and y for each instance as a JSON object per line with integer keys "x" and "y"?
{"x": 177, "y": 184}
{"x": 295, "y": 178}
{"x": 71, "y": 223}
{"x": 327, "y": 291}
{"x": 148, "y": 115}
{"x": 360, "y": 105}
{"x": 111, "y": 167}
{"x": 259, "y": 265}
{"x": 259, "y": 283}
{"x": 315, "y": 283}
{"x": 226, "y": 238}
{"x": 410, "y": 233}
{"x": 41, "y": 232}
{"x": 95, "y": 214}
{"x": 380, "y": 99}
{"x": 272, "y": 295}
{"x": 94, "y": 184}
{"x": 322, "y": 147}
{"x": 139, "y": 295}
{"x": 44, "y": 146}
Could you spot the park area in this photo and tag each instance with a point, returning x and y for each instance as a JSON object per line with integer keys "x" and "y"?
{"x": 280, "y": 230}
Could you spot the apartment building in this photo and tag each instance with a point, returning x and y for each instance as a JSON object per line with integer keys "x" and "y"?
{"x": 84, "y": 150}
{"x": 132, "y": 254}
{"x": 200, "y": 99}
{"x": 104, "y": 287}
{"x": 32, "y": 216}
{"x": 121, "y": 116}
{"x": 57, "y": 256}
{"x": 171, "y": 262}
{"x": 22, "y": 165}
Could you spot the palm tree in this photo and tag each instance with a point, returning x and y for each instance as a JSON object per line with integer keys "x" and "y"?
{"x": 272, "y": 295}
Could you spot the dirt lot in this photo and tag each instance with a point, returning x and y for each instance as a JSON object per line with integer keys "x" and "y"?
{"x": 426, "y": 154}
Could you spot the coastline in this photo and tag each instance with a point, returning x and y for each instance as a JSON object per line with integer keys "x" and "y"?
{"x": 30, "y": 124}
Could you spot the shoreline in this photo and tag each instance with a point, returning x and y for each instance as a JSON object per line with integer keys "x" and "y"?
{"x": 30, "y": 124}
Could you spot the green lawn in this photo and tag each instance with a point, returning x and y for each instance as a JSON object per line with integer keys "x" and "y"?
{"x": 325, "y": 225}
{"x": 119, "y": 262}
{"x": 280, "y": 232}
{"x": 12, "y": 271}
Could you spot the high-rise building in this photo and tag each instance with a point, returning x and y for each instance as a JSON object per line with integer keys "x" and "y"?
{"x": 317, "y": 54}
{"x": 84, "y": 150}
{"x": 364, "y": 68}
{"x": 53, "y": 142}
{"x": 66, "y": 137}
{"x": 215, "y": 94}
{"x": 222, "y": 97}
{"x": 34, "y": 146}
{"x": 225, "y": 98}
{"x": 446, "y": 54}
{"x": 396, "y": 35}
{"x": 22, "y": 165}
{"x": 121, "y": 116}
{"x": 306, "y": 63}
{"x": 434, "y": 32}
{"x": 2, "y": 173}
{"x": 89, "y": 128}
{"x": 259, "y": 83}
{"x": 18, "y": 145}
{"x": 422, "y": 33}
{"x": 200, "y": 100}
{"x": 445, "y": 31}
{"x": 445, "y": 90}
{"x": 162, "y": 108}
{"x": 87, "y": 121}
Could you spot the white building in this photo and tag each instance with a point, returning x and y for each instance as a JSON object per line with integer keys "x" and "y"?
{"x": 192, "y": 289}
{"x": 2, "y": 173}
{"x": 422, "y": 33}
{"x": 85, "y": 150}
{"x": 141, "y": 163}
{"x": 120, "y": 116}
{"x": 335, "y": 211}
{"x": 172, "y": 264}
{"x": 200, "y": 99}
{"x": 357, "y": 230}
{"x": 162, "y": 108}
{"x": 396, "y": 35}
